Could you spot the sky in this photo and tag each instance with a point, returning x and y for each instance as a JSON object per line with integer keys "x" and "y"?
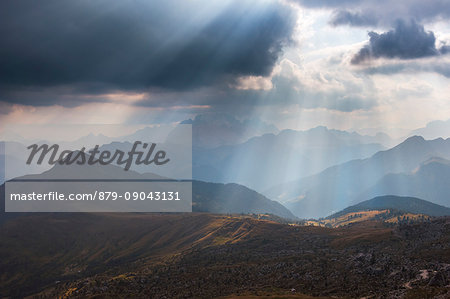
{"x": 347, "y": 64}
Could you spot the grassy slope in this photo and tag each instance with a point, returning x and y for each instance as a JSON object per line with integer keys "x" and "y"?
{"x": 399, "y": 203}
{"x": 210, "y": 256}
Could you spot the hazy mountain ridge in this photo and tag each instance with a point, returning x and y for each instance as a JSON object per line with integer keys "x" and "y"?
{"x": 12, "y": 161}
{"x": 337, "y": 187}
{"x": 308, "y": 151}
{"x": 431, "y": 180}
{"x": 264, "y": 159}
{"x": 221, "y": 129}
{"x": 273, "y": 159}
{"x": 434, "y": 129}
{"x": 233, "y": 198}
{"x": 206, "y": 197}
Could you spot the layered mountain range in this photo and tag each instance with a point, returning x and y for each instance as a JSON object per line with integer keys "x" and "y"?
{"x": 313, "y": 173}
{"x": 410, "y": 169}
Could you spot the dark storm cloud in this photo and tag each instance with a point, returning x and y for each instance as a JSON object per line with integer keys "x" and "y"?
{"x": 444, "y": 49}
{"x": 67, "y": 95}
{"x": 133, "y": 45}
{"x": 408, "y": 40}
{"x": 380, "y": 12}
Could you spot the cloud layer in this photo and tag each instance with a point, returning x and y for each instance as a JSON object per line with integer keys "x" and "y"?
{"x": 380, "y": 12}
{"x": 129, "y": 45}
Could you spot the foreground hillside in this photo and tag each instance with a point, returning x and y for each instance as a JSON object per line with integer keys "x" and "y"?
{"x": 207, "y": 256}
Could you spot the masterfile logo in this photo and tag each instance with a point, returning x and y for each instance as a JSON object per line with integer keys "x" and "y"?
{"x": 95, "y": 156}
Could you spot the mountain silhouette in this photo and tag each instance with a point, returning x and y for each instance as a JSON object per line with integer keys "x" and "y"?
{"x": 431, "y": 180}
{"x": 233, "y": 198}
{"x": 273, "y": 159}
{"x": 339, "y": 186}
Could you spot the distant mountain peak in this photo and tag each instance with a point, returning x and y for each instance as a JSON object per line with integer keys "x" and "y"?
{"x": 434, "y": 129}
{"x": 411, "y": 142}
{"x": 415, "y": 138}
{"x": 320, "y": 128}
{"x": 210, "y": 130}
